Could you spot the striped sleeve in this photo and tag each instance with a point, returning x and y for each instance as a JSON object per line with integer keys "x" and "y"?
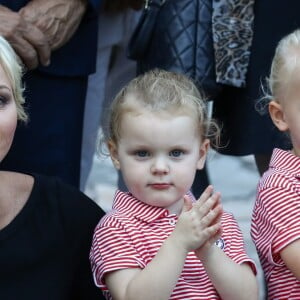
{"x": 234, "y": 241}
{"x": 112, "y": 249}
{"x": 281, "y": 215}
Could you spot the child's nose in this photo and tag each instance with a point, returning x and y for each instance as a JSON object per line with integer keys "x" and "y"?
{"x": 160, "y": 166}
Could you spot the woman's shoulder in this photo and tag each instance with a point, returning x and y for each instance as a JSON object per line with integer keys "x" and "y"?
{"x": 55, "y": 188}
{"x": 116, "y": 220}
{"x": 67, "y": 198}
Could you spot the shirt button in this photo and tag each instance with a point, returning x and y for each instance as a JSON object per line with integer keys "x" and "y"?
{"x": 172, "y": 222}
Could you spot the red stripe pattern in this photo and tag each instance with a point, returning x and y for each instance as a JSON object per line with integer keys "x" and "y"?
{"x": 131, "y": 235}
{"x": 276, "y": 222}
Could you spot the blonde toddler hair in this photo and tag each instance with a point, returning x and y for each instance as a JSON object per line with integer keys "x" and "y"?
{"x": 285, "y": 64}
{"x": 158, "y": 91}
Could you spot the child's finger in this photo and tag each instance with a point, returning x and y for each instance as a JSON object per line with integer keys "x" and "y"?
{"x": 212, "y": 231}
{"x": 212, "y": 217}
{"x": 187, "y": 204}
{"x": 217, "y": 235}
{"x": 205, "y": 195}
{"x": 209, "y": 204}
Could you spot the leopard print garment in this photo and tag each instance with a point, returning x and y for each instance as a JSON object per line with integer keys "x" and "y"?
{"x": 232, "y": 24}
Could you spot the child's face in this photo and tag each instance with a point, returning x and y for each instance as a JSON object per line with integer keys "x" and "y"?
{"x": 158, "y": 156}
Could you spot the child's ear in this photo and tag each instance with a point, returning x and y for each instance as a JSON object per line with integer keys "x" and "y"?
{"x": 113, "y": 151}
{"x": 202, "y": 154}
{"x": 277, "y": 115}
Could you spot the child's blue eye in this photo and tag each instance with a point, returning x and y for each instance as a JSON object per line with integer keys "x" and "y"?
{"x": 176, "y": 153}
{"x": 142, "y": 153}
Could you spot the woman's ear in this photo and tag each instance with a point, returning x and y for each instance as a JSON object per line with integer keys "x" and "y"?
{"x": 113, "y": 151}
{"x": 277, "y": 115}
{"x": 202, "y": 154}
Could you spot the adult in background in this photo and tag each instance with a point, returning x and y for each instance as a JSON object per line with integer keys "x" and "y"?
{"x": 56, "y": 40}
{"x": 116, "y": 22}
{"x": 46, "y": 226}
{"x": 245, "y": 131}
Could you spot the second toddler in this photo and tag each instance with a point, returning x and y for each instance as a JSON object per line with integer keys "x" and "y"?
{"x": 158, "y": 242}
{"x": 275, "y": 227}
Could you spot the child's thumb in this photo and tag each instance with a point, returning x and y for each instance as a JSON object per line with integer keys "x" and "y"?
{"x": 187, "y": 204}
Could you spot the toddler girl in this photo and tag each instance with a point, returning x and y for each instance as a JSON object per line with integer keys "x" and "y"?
{"x": 158, "y": 242}
{"x": 275, "y": 227}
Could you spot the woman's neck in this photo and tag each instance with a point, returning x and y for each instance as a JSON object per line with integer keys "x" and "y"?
{"x": 15, "y": 189}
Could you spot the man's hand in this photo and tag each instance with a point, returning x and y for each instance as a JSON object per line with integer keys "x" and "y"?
{"x": 57, "y": 19}
{"x": 28, "y": 41}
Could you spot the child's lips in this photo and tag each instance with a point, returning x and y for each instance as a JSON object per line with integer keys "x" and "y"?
{"x": 160, "y": 186}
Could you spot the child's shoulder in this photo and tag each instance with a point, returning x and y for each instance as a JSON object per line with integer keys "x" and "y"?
{"x": 115, "y": 218}
{"x": 274, "y": 178}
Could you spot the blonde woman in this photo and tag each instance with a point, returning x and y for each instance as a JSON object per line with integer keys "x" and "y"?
{"x": 45, "y": 225}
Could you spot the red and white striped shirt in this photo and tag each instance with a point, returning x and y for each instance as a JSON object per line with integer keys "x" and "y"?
{"x": 131, "y": 235}
{"x": 276, "y": 222}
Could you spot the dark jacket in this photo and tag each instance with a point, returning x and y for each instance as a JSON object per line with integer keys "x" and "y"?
{"x": 78, "y": 56}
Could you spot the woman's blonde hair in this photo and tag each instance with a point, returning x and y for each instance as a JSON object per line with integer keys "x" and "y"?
{"x": 13, "y": 69}
{"x": 159, "y": 90}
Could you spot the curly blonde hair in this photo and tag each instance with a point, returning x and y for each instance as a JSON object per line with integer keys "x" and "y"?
{"x": 156, "y": 91}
